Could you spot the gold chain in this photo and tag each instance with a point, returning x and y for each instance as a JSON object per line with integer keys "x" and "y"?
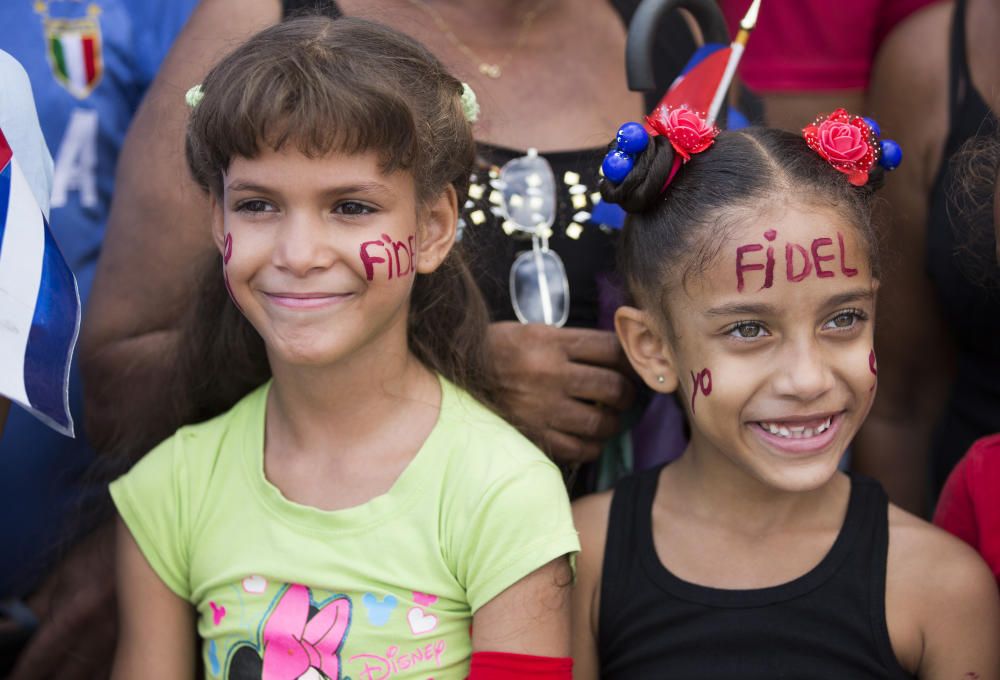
{"x": 490, "y": 69}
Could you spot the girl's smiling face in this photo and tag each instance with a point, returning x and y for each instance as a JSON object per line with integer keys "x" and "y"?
{"x": 320, "y": 254}
{"x": 770, "y": 346}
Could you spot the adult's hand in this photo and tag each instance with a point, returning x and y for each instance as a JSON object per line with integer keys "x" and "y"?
{"x": 565, "y": 388}
{"x": 78, "y": 620}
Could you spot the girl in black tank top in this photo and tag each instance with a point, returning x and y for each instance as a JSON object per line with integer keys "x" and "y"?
{"x": 751, "y": 556}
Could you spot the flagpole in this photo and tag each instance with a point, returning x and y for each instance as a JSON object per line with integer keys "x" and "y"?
{"x": 747, "y": 24}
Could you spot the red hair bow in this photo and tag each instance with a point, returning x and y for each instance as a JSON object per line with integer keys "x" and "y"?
{"x": 846, "y": 142}
{"x": 688, "y": 132}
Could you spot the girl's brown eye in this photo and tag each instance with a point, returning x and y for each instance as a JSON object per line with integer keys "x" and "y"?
{"x": 748, "y": 330}
{"x": 254, "y": 206}
{"x": 354, "y": 208}
{"x": 846, "y": 319}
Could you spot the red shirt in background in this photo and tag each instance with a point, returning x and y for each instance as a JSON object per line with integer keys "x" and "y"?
{"x": 969, "y": 506}
{"x": 815, "y": 45}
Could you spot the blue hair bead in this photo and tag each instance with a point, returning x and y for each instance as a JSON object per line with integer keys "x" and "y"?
{"x": 632, "y": 138}
{"x": 617, "y": 165}
{"x": 874, "y": 126}
{"x": 892, "y": 155}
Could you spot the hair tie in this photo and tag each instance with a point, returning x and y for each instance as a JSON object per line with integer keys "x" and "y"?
{"x": 630, "y": 141}
{"x": 470, "y": 105}
{"x": 851, "y": 145}
{"x": 194, "y": 96}
{"x": 687, "y": 131}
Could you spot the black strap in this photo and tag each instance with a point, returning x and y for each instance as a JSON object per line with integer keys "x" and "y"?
{"x": 294, "y": 8}
{"x": 621, "y": 545}
{"x": 959, "y": 77}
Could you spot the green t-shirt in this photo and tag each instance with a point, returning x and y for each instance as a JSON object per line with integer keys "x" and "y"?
{"x": 382, "y": 590}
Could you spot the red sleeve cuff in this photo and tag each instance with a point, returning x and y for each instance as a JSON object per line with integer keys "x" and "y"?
{"x": 506, "y": 666}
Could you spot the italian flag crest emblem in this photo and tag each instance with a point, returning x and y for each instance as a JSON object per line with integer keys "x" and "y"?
{"x": 74, "y": 51}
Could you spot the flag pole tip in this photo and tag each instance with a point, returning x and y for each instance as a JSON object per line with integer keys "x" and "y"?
{"x": 750, "y": 20}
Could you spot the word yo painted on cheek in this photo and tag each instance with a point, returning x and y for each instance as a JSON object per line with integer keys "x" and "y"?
{"x": 539, "y": 287}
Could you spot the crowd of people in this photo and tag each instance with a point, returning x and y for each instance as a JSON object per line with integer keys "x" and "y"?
{"x": 319, "y": 439}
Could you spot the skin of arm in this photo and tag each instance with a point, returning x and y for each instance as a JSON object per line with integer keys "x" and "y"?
{"x": 157, "y": 232}
{"x": 911, "y": 341}
{"x": 942, "y": 603}
{"x": 590, "y": 515}
{"x": 530, "y": 617}
{"x": 156, "y": 636}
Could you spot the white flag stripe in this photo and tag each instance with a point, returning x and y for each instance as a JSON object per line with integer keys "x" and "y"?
{"x": 21, "y": 256}
{"x": 72, "y": 47}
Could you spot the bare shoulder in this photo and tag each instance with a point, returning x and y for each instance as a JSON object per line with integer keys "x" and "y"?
{"x": 590, "y": 514}
{"x": 928, "y": 559}
{"x": 942, "y": 604}
{"x": 921, "y": 549}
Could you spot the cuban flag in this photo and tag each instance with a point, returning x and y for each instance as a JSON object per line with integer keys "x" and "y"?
{"x": 39, "y": 303}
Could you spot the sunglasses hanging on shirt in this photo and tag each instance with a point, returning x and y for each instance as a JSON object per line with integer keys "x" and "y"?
{"x": 539, "y": 288}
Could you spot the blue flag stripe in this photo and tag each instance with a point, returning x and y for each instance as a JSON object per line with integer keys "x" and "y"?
{"x": 4, "y": 197}
{"x": 52, "y": 335}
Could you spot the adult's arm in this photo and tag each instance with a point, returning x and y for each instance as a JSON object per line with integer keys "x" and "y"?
{"x": 908, "y": 98}
{"x": 157, "y": 232}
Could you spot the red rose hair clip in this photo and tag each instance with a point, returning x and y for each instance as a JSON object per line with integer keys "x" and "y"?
{"x": 851, "y": 145}
{"x": 686, "y": 130}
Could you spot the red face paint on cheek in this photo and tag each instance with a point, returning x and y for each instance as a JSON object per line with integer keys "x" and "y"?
{"x": 873, "y": 367}
{"x": 394, "y": 251}
{"x": 700, "y": 381}
{"x": 227, "y": 254}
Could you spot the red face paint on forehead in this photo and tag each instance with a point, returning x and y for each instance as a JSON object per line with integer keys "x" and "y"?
{"x": 393, "y": 251}
{"x": 800, "y": 260}
{"x": 700, "y": 381}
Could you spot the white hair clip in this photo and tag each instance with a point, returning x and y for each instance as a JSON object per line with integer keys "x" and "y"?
{"x": 470, "y": 106}
{"x": 194, "y": 96}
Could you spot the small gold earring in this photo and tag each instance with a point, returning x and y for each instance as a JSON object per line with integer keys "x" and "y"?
{"x": 660, "y": 379}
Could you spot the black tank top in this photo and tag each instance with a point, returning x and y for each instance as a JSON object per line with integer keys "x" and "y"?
{"x": 961, "y": 264}
{"x": 828, "y": 623}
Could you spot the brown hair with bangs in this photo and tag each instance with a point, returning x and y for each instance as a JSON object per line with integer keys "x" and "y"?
{"x": 333, "y": 86}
